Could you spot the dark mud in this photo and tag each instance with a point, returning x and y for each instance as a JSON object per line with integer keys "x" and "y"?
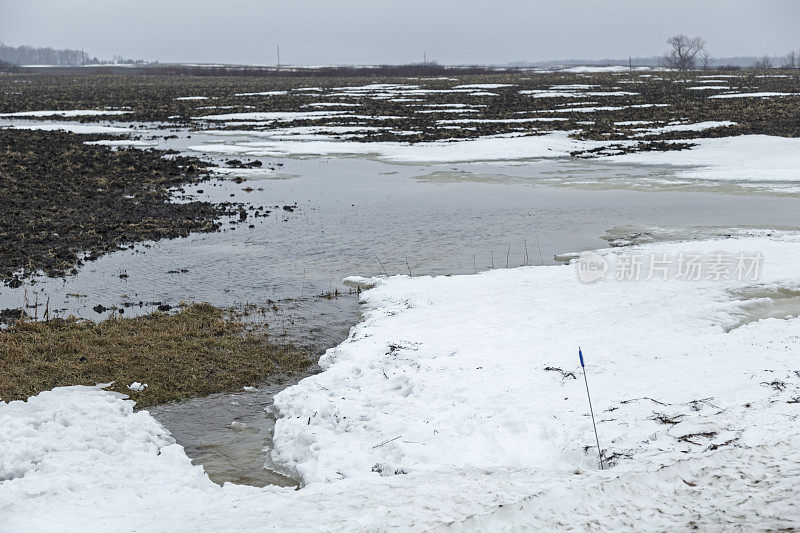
{"x": 64, "y": 202}
{"x": 660, "y": 98}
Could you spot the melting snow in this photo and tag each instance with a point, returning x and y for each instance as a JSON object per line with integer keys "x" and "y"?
{"x": 458, "y": 402}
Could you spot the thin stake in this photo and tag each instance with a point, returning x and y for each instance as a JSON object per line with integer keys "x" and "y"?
{"x": 408, "y": 267}
{"x": 541, "y": 259}
{"x": 380, "y": 263}
{"x": 599, "y": 454}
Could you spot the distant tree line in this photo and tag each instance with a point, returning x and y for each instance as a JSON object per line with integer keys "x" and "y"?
{"x": 429, "y": 68}
{"x": 33, "y": 55}
{"x": 5, "y": 66}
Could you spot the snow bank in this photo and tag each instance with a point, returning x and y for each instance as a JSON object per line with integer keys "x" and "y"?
{"x": 452, "y": 370}
{"x": 457, "y": 402}
{"x": 761, "y": 158}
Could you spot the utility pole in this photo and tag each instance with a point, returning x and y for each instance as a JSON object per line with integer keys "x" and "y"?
{"x": 279, "y": 57}
{"x": 424, "y": 58}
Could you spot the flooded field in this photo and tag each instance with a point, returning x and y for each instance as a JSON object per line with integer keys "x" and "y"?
{"x": 321, "y": 200}
{"x": 339, "y": 216}
{"x": 356, "y": 216}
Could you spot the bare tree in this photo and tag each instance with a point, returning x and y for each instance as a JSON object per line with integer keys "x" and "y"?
{"x": 792, "y": 60}
{"x": 705, "y": 59}
{"x": 765, "y": 63}
{"x": 682, "y": 51}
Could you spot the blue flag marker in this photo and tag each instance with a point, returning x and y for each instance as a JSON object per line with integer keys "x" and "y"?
{"x": 583, "y": 366}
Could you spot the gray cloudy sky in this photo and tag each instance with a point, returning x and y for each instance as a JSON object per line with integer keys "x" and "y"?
{"x": 318, "y": 32}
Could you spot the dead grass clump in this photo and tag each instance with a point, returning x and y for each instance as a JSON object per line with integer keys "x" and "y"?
{"x": 198, "y": 351}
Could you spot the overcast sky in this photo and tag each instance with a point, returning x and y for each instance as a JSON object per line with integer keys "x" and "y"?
{"x": 321, "y": 32}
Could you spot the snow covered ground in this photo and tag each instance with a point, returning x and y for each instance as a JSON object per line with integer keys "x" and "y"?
{"x": 458, "y": 403}
{"x": 760, "y": 159}
{"x": 495, "y": 148}
{"x": 70, "y": 113}
{"x": 757, "y": 158}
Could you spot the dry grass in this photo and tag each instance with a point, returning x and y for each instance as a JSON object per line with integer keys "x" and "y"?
{"x": 196, "y": 352}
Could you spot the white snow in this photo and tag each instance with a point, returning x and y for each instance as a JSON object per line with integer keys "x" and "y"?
{"x": 542, "y": 93}
{"x": 257, "y": 172}
{"x": 307, "y": 133}
{"x": 697, "y": 126}
{"x": 192, "y": 98}
{"x": 590, "y": 69}
{"x": 573, "y": 86}
{"x": 499, "y": 120}
{"x": 263, "y": 93}
{"x": 447, "y": 110}
{"x": 753, "y": 95}
{"x": 74, "y": 128}
{"x": 70, "y": 113}
{"x": 743, "y": 158}
{"x": 458, "y": 402}
{"x": 137, "y": 387}
{"x": 483, "y": 86}
{"x": 331, "y": 104}
{"x": 709, "y": 87}
{"x": 588, "y": 109}
{"x": 495, "y": 148}
{"x": 121, "y": 142}
{"x": 282, "y": 116}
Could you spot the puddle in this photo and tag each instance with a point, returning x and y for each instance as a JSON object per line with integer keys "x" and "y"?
{"x": 229, "y": 434}
{"x": 637, "y": 235}
{"x": 759, "y": 303}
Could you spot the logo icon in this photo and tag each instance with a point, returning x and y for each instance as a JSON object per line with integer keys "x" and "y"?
{"x": 591, "y": 267}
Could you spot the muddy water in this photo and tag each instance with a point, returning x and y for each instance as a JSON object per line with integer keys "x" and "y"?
{"x": 361, "y": 217}
{"x": 356, "y": 216}
{"x": 229, "y": 433}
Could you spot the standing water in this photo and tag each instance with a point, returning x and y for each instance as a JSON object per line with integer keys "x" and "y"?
{"x": 335, "y": 217}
